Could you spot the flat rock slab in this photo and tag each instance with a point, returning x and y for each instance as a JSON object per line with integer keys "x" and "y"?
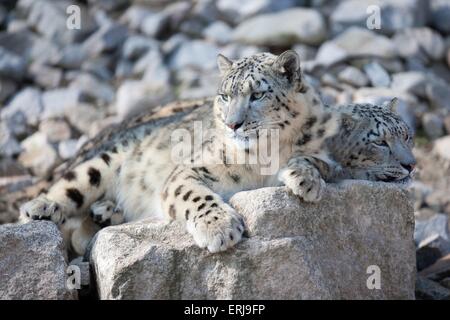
{"x": 296, "y": 250}
{"x": 33, "y": 262}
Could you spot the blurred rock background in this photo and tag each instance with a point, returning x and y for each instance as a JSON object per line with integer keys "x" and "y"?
{"x": 60, "y": 86}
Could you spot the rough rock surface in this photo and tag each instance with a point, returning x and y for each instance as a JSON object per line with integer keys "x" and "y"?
{"x": 33, "y": 262}
{"x": 295, "y": 250}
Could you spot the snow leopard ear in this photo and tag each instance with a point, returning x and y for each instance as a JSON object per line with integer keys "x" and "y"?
{"x": 288, "y": 64}
{"x": 224, "y": 64}
{"x": 391, "y": 105}
{"x": 347, "y": 122}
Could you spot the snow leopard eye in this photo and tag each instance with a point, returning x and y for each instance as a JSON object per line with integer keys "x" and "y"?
{"x": 224, "y": 97}
{"x": 257, "y": 96}
{"x": 381, "y": 143}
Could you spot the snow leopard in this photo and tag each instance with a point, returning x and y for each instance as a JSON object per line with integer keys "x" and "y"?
{"x": 138, "y": 169}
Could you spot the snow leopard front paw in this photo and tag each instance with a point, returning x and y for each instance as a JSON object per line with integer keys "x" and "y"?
{"x": 304, "y": 182}
{"x": 217, "y": 229}
{"x": 42, "y": 208}
{"x": 106, "y": 213}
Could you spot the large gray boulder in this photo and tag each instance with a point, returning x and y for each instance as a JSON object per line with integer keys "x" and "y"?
{"x": 295, "y": 250}
{"x": 33, "y": 262}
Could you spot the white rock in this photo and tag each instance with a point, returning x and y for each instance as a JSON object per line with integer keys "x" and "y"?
{"x": 283, "y": 28}
{"x": 218, "y": 32}
{"x": 33, "y": 263}
{"x": 7, "y": 88}
{"x": 9, "y": 146}
{"x": 433, "y": 125}
{"x": 417, "y": 41}
{"x": 355, "y": 42}
{"x": 136, "y": 96}
{"x": 295, "y": 250}
{"x": 68, "y": 148}
{"x": 442, "y": 148}
{"x": 197, "y": 54}
{"x": 38, "y": 154}
{"x": 353, "y": 76}
{"x": 28, "y": 101}
{"x": 55, "y": 130}
{"x": 394, "y": 15}
{"x": 377, "y": 75}
{"x": 237, "y": 10}
{"x": 56, "y": 102}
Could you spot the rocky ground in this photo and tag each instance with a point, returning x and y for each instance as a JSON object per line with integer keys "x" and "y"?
{"x": 59, "y": 87}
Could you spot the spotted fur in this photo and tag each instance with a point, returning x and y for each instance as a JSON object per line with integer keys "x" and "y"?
{"x": 134, "y": 165}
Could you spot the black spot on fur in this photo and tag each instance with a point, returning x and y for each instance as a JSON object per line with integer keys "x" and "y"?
{"x": 214, "y": 205}
{"x": 70, "y": 176}
{"x": 178, "y": 190}
{"x": 196, "y": 199}
{"x": 76, "y": 196}
{"x": 172, "y": 212}
{"x": 186, "y": 215}
{"x": 235, "y": 177}
{"x": 209, "y": 198}
{"x": 310, "y": 122}
{"x": 200, "y": 207}
{"x": 303, "y": 140}
{"x": 187, "y": 195}
{"x": 105, "y": 157}
{"x": 94, "y": 177}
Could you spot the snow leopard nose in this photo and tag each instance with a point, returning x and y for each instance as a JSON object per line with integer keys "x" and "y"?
{"x": 409, "y": 167}
{"x": 234, "y": 125}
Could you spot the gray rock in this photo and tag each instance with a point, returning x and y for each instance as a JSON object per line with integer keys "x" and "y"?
{"x": 29, "y": 102}
{"x": 284, "y": 28}
{"x": 135, "y": 96}
{"x": 197, "y": 54}
{"x": 134, "y": 16}
{"x": 84, "y": 116}
{"x": 93, "y": 88}
{"x": 107, "y": 38}
{"x": 56, "y": 102}
{"x": 136, "y": 46}
{"x": 436, "y": 226}
{"x": 429, "y": 290}
{"x": 295, "y": 250}
{"x": 394, "y": 15}
{"x": 442, "y": 148}
{"x": 45, "y": 76}
{"x": 420, "y": 43}
{"x": 11, "y": 65}
{"x": 38, "y": 154}
{"x": 353, "y": 76}
{"x": 109, "y": 5}
{"x": 412, "y": 82}
{"x": 218, "y": 32}
{"x": 355, "y": 42}
{"x": 305, "y": 52}
{"x": 7, "y": 89}
{"x": 438, "y": 93}
{"x": 49, "y": 18}
{"x": 67, "y": 148}
{"x": 55, "y": 130}
{"x": 428, "y": 252}
{"x": 433, "y": 125}
{"x": 9, "y": 146}
{"x": 377, "y": 75}
{"x": 440, "y": 15}
{"x": 33, "y": 263}
{"x": 237, "y": 11}
{"x": 70, "y": 57}
{"x": 165, "y": 21}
